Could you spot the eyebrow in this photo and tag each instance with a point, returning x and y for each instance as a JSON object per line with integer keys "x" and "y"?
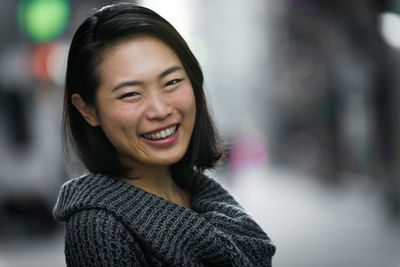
{"x": 169, "y": 71}
{"x": 134, "y": 83}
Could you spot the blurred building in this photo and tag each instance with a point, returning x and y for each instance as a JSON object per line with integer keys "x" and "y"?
{"x": 338, "y": 92}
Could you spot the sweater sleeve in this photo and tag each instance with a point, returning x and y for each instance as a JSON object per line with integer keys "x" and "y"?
{"x": 246, "y": 242}
{"x": 97, "y": 238}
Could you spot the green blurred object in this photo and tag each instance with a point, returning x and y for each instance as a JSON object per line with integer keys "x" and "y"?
{"x": 43, "y": 20}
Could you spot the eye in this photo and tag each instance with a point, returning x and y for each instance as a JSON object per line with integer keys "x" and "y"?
{"x": 173, "y": 82}
{"x": 130, "y": 94}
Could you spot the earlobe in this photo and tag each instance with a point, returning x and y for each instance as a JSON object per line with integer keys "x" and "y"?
{"x": 87, "y": 111}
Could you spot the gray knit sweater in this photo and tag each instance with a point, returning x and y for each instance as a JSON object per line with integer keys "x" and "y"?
{"x": 112, "y": 223}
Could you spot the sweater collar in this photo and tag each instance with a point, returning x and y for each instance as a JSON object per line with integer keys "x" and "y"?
{"x": 102, "y": 191}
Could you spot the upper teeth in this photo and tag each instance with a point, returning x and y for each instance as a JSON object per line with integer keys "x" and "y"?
{"x": 161, "y": 134}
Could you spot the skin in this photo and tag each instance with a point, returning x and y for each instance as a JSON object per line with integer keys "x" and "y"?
{"x": 144, "y": 88}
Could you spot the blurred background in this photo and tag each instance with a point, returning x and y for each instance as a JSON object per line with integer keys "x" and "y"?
{"x": 304, "y": 93}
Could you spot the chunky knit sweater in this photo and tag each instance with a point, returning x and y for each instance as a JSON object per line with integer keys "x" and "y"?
{"x": 112, "y": 223}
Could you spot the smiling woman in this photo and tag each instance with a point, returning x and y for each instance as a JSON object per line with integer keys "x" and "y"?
{"x": 135, "y": 111}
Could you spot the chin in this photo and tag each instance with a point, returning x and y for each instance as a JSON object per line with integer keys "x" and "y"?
{"x": 169, "y": 160}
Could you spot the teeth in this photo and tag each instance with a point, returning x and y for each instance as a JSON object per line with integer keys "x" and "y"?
{"x": 161, "y": 134}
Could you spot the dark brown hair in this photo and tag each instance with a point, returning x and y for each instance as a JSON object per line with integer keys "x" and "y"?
{"x": 104, "y": 28}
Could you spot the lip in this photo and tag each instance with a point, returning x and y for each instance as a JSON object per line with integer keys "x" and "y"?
{"x": 163, "y": 142}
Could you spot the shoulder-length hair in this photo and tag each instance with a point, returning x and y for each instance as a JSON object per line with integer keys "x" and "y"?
{"x": 104, "y": 28}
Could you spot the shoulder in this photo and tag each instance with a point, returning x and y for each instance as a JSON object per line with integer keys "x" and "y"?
{"x": 94, "y": 224}
{"x": 92, "y": 191}
{"x": 97, "y": 238}
{"x": 209, "y": 189}
{"x": 76, "y": 193}
{"x": 210, "y": 198}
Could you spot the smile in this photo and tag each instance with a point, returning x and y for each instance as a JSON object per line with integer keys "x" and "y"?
{"x": 165, "y": 133}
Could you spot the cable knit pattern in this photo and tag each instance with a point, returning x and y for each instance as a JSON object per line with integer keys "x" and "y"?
{"x": 112, "y": 223}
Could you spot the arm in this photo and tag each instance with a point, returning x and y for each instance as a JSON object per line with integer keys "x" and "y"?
{"x": 97, "y": 238}
{"x": 245, "y": 240}
{"x": 246, "y": 243}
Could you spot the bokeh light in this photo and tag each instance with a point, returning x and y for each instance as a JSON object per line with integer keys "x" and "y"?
{"x": 48, "y": 62}
{"x": 43, "y": 20}
{"x": 390, "y": 28}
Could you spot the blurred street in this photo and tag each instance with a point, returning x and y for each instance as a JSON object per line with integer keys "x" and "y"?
{"x": 48, "y": 251}
{"x": 318, "y": 226}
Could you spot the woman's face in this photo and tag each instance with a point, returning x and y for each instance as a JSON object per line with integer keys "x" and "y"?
{"x": 145, "y": 102}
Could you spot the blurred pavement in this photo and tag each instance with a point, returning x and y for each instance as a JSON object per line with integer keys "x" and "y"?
{"x": 317, "y": 225}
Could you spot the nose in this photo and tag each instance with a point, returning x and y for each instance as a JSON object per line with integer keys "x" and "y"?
{"x": 158, "y": 107}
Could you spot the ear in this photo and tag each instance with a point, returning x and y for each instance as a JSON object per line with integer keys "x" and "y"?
{"x": 87, "y": 111}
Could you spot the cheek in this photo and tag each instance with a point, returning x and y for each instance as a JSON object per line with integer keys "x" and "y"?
{"x": 116, "y": 119}
{"x": 186, "y": 102}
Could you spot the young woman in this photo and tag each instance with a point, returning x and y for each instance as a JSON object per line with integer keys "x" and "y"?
{"x": 136, "y": 113}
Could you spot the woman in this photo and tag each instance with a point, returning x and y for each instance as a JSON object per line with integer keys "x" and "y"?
{"x": 136, "y": 113}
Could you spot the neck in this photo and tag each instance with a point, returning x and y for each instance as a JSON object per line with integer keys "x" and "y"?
{"x": 158, "y": 181}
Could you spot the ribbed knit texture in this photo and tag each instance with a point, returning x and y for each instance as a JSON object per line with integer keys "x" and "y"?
{"x": 112, "y": 223}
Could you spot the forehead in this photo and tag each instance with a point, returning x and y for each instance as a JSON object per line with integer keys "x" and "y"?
{"x": 138, "y": 49}
{"x": 141, "y": 57}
